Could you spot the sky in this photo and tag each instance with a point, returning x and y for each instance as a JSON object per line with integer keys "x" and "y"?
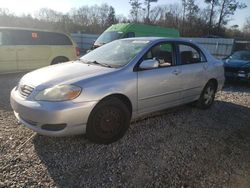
{"x": 121, "y": 6}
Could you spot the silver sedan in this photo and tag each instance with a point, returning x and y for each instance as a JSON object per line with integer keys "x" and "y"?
{"x": 102, "y": 91}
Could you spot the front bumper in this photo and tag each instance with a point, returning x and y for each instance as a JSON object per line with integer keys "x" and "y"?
{"x": 41, "y": 116}
{"x": 239, "y": 75}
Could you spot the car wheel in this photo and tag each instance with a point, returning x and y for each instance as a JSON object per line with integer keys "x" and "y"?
{"x": 59, "y": 60}
{"x": 108, "y": 121}
{"x": 207, "y": 96}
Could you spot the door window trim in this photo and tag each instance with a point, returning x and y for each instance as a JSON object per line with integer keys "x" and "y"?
{"x": 178, "y": 55}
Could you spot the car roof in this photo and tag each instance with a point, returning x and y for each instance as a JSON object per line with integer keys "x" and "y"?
{"x": 151, "y": 39}
{"x": 242, "y": 51}
{"x": 29, "y": 29}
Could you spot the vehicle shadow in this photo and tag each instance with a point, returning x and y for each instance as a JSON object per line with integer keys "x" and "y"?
{"x": 7, "y": 83}
{"x": 184, "y": 146}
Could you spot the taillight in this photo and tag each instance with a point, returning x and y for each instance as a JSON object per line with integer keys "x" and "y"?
{"x": 78, "y": 52}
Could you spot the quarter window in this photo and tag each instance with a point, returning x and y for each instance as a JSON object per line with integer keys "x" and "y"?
{"x": 190, "y": 55}
{"x": 163, "y": 53}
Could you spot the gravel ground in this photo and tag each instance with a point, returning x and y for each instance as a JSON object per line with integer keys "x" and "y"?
{"x": 181, "y": 147}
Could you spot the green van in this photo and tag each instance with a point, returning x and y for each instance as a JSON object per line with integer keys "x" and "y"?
{"x": 27, "y": 49}
{"x": 128, "y": 30}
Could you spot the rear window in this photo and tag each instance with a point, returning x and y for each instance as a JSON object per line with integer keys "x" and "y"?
{"x": 22, "y": 37}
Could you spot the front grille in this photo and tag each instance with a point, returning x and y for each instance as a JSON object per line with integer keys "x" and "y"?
{"x": 25, "y": 90}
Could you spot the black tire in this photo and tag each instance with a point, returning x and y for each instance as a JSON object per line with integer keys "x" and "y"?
{"x": 59, "y": 60}
{"x": 108, "y": 122}
{"x": 207, "y": 96}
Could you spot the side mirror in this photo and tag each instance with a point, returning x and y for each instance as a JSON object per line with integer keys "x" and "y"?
{"x": 149, "y": 64}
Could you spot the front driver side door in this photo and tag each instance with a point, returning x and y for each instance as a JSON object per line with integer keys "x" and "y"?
{"x": 160, "y": 87}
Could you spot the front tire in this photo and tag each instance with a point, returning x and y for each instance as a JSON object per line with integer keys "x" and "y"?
{"x": 207, "y": 96}
{"x": 108, "y": 122}
{"x": 58, "y": 60}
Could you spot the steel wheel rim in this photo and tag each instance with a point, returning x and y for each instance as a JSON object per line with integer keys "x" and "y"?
{"x": 109, "y": 122}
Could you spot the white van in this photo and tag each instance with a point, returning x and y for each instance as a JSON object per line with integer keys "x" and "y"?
{"x": 27, "y": 49}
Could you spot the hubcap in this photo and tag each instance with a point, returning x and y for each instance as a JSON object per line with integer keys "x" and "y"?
{"x": 209, "y": 95}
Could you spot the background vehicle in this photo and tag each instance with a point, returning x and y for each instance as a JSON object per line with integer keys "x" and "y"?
{"x": 100, "y": 93}
{"x": 129, "y": 30}
{"x": 27, "y": 49}
{"x": 237, "y": 66}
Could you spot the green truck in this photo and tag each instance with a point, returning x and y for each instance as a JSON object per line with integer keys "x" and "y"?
{"x": 128, "y": 30}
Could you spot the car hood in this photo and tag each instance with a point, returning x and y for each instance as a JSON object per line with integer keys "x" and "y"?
{"x": 236, "y": 63}
{"x": 64, "y": 73}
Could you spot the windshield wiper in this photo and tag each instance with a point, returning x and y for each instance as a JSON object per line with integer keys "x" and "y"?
{"x": 96, "y": 63}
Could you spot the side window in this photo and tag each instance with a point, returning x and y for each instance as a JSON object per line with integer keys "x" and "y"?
{"x": 7, "y": 37}
{"x": 48, "y": 38}
{"x": 1, "y": 40}
{"x": 162, "y": 52}
{"x": 129, "y": 35}
{"x": 190, "y": 55}
{"x": 22, "y": 37}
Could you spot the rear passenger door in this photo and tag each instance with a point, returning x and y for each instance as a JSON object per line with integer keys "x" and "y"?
{"x": 194, "y": 70}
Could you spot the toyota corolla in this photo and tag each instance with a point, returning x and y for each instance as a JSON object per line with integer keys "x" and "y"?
{"x": 102, "y": 91}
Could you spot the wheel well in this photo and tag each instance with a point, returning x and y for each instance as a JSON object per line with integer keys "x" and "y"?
{"x": 215, "y": 82}
{"x": 58, "y": 59}
{"x": 123, "y": 98}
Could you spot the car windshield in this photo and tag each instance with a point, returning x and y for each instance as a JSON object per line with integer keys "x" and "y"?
{"x": 109, "y": 36}
{"x": 115, "y": 54}
{"x": 241, "y": 55}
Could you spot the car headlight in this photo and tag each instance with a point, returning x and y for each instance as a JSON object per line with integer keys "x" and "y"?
{"x": 59, "y": 93}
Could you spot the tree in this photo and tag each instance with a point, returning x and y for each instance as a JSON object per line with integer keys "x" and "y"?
{"x": 213, "y": 4}
{"x": 148, "y": 5}
{"x": 4, "y": 12}
{"x": 227, "y": 9}
{"x": 190, "y": 10}
{"x": 49, "y": 15}
{"x": 135, "y": 8}
{"x": 246, "y": 27}
{"x": 111, "y": 16}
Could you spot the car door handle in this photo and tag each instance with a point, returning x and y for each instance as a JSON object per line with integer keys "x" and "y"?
{"x": 176, "y": 72}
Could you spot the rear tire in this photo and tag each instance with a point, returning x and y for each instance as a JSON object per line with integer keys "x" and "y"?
{"x": 59, "y": 60}
{"x": 207, "y": 96}
{"x": 108, "y": 122}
